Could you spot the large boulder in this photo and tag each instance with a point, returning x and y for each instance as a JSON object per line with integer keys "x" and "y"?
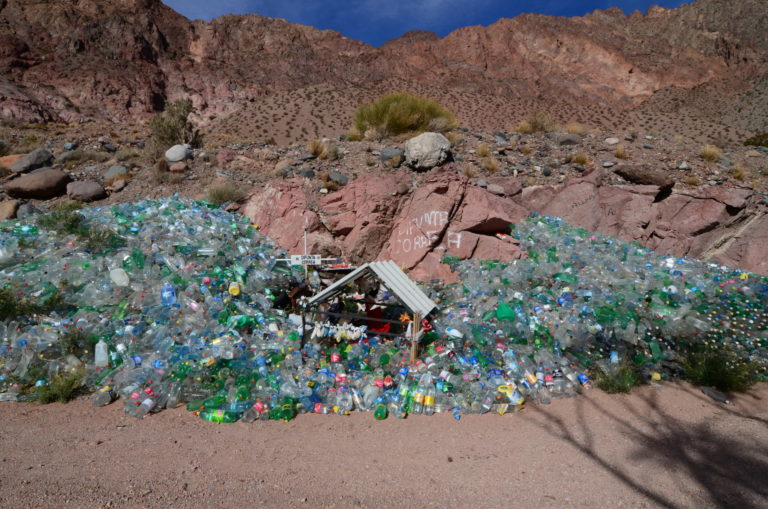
{"x": 8, "y": 209}
{"x": 42, "y": 186}
{"x": 36, "y": 159}
{"x": 86, "y": 190}
{"x": 116, "y": 172}
{"x": 427, "y": 150}
{"x": 644, "y": 175}
{"x": 177, "y": 153}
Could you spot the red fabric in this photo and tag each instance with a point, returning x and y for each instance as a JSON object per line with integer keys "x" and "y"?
{"x": 375, "y": 326}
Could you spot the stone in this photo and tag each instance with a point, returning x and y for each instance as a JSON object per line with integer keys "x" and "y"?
{"x": 648, "y": 146}
{"x": 427, "y": 151}
{"x": 611, "y": 141}
{"x": 481, "y": 183}
{"x": 117, "y": 186}
{"x": 644, "y": 175}
{"x": 8, "y": 209}
{"x": 109, "y": 147}
{"x": 684, "y": 166}
{"x": 41, "y": 186}
{"x": 510, "y": 185}
{"x": 546, "y": 172}
{"x": 179, "y": 167}
{"x": 339, "y": 178}
{"x": 32, "y": 161}
{"x": 68, "y": 155}
{"x": 27, "y": 210}
{"x": 392, "y": 157}
{"x": 86, "y": 190}
{"x": 116, "y": 172}
{"x": 609, "y": 164}
{"x": 568, "y": 139}
{"x": 177, "y": 153}
{"x": 8, "y": 161}
{"x": 307, "y": 173}
{"x": 496, "y": 189}
{"x": 71, "y": 145}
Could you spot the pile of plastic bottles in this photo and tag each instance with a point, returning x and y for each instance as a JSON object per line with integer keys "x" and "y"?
{"x": 180, "y": 308}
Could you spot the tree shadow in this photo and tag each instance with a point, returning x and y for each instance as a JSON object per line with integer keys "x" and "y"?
{"x": 729, "y": 469}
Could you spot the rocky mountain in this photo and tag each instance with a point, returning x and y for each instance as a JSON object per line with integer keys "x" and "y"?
{"x": 698, "y": 70}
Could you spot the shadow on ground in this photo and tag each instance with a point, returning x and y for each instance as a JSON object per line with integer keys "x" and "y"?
{"x": 722, "y": 468}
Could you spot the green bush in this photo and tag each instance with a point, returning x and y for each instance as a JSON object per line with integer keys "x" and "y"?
{"x": 758, "y": 140}
{"x": 224, "y": 193}
{"x": 62, "y": 388}
{"x": 720, "y": 366}
{"x": 616, "y": 378}
{"x": 400, "y": 113}
{"x": 172, "y": 127}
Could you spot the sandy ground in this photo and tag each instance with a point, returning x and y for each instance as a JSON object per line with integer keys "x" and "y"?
{"x": 664, "y": 446}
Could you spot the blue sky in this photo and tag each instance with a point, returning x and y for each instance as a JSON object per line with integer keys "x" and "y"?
{"x": 376, "y": 21}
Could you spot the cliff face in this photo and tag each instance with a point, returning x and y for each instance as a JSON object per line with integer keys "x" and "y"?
{"x": 123, "y": 59}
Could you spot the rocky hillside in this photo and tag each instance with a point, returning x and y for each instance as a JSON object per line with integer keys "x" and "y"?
{"x": 698, "y": 71}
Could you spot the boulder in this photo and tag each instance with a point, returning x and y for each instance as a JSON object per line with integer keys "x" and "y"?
{"x": 8, "y": 161}
{"x": 611, "y": 141}
{"x": 117, "y": 172}
{"x": 179, "y": 167}
{"x": 568, "y": 139}
{"x": 427, "y": 150}
{"x": 71, "y": 145}
{"x": 41, "y": 186}
{"x": 27, "y": 210}
{"x": 68, "y": 155}
{"x": 495, "y": 189}
{"x": 510, "y": 185}
{"x": 32, "y": 161}
{"x": 177, "y": 153}
{"x": 339, "y": 178}
{"x": 644, "y": 175}
{"x": 8, "y": 209}
{"x": 307, "y": 173}
{"x": 86, "y": 190}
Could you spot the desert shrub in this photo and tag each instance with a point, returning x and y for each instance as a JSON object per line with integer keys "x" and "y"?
{"x": 62, "y": 388}
{"x": 469, "y": 172}
{"x": 224, "y": 193}
{"x": 483, "y": 149}
{"x": 739, "y": 172}
{"x": 711, "y": 153}
{"x": 581, "y": 158}
{"x": 537, "y": 121}
{"x": 454, "y": 138}
{"x": 323, "y": 149}
{"x": 693, "y": 181}
{"x": 172, "y": 127}
{"x": 621, "y": 152}
{"x": 490, "y": 164}
{"x": 127, "y": 155}
{"x": 26, "y": 144}
{"x": 400, "y": 113}
{"x": 65, "y": 220}
{"x": 354, "y": 135}
{"x": 621, "y": 378}
{"x": 720, "y": 366}
{"x": 526, "y": 150}
{"x": 758, "y": 140}
{"x": 575, "y": 128}
{"x": 161, "y": 172}
{"x": 13, "y": 304}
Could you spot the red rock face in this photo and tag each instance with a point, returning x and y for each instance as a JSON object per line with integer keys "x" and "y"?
{"x": 447, "y": 217}
{"x": 121, "y": 59}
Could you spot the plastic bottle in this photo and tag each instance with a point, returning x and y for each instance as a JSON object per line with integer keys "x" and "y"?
{"x": 101, "y": 354}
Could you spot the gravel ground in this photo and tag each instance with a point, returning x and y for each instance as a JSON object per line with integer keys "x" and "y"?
{"x": 662, "y": 446}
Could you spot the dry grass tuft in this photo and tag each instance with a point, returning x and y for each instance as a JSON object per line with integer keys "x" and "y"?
{"x": 526, "y": 150}
{"x": 575, "y": 128}
{"x": 739, "y": 172}
{"x": 711, "y": 153}
{"x": 621, "y": 152}
{"x": 537, "y": 121}
{"x": 490, "y": 164}
{"x": 224, "y": 193}
{"x": 161, "y": 172}
{"x": 693, "y": 181}
{"x": 401, "y": 113}
{"x": 454, "y": 137}
{"x": 483, "y": 149}
{"x": 323, "y": 150}
{"x": 581, "y": 158}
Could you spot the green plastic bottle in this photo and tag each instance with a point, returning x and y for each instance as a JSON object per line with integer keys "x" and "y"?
{"x": 211, "y": 415}
{"x": 380, "y": 411}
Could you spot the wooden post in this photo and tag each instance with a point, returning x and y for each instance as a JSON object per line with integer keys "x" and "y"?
{"x": 415, "y": 337}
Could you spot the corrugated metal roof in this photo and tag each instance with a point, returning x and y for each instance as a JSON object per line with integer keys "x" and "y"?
{"x": 392, "y": 277}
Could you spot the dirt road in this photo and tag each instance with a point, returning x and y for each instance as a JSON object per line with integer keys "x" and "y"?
{"x": 667, "y": 446}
